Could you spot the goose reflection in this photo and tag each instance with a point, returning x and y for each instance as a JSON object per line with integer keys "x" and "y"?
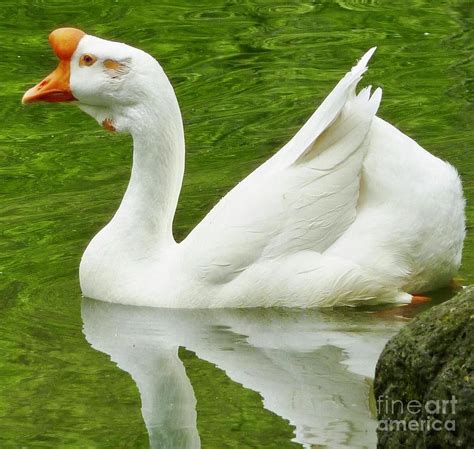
{"x": 310, "y": 367}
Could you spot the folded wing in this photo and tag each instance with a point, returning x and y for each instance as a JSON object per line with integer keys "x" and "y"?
{"x": 302, "y": 199}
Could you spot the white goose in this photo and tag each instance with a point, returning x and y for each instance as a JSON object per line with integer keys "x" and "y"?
{"x": 349, "y": 211}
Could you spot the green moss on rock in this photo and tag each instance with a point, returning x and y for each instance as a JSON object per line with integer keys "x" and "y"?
{"x": 424, "y": 381}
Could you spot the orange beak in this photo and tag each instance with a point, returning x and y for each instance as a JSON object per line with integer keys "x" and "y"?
{"x": 55, "y": 87}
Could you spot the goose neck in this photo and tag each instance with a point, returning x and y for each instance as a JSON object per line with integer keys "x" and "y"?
{"x": 147, "y": 210}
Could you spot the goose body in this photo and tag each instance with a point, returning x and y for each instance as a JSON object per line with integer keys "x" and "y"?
{"x": 349, "y": 211}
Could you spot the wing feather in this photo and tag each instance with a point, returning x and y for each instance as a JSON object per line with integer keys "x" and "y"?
{"x": 301, "y": 199}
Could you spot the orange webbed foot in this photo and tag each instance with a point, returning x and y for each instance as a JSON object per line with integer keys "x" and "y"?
{"x": 419, "y": 299}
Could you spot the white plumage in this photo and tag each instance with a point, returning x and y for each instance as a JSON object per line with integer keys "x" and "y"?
{"x": 349, "y": 210}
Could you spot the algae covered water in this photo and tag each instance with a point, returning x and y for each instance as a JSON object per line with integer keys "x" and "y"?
{"x": 80, "y": 374}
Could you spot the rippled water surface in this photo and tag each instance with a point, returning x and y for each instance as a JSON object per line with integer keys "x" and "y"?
{"x": 81, "y": 374}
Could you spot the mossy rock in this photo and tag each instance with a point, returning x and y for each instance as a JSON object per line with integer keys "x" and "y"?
{"x": 424, "y": 384}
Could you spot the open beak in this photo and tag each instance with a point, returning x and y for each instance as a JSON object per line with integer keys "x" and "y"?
{"x": 55, "y": 87}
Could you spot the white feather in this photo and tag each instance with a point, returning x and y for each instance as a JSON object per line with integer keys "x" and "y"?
{"x": 349, "y": 210}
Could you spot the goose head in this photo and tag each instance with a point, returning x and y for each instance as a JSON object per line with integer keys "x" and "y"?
{"x": 111, "y": 81}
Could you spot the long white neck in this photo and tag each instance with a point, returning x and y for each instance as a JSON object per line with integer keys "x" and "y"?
{"x": 145, "y": 216}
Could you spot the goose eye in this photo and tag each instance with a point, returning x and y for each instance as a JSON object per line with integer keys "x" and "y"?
{"x": 87, "y": 60}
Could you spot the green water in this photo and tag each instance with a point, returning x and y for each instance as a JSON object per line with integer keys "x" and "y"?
{"x": 247, "y": 75}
